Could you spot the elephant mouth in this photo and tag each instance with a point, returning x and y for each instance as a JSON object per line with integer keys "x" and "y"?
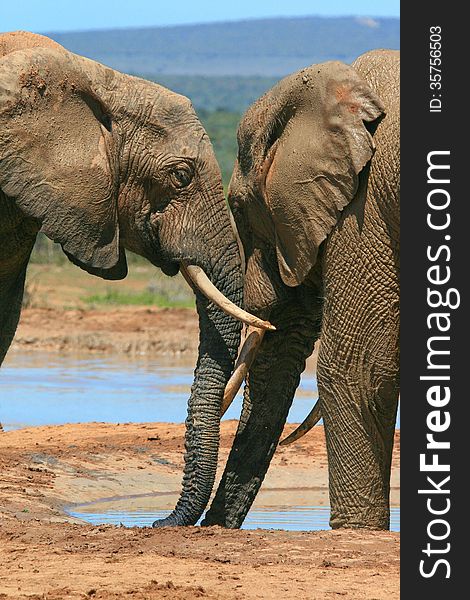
{"x": 257, "y": 327}
{"x": 170, "y": 268}
{"x": 199, "y": 281}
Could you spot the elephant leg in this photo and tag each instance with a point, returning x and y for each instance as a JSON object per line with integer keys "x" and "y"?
{"x": 11, "y": 296}
{"x": 270, "y": 388}
{"x": 16, "y": 243}
{"x": 359, "y": 428}
{"x": 358, "y": 384}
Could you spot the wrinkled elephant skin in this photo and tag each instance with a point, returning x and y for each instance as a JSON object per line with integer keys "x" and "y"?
{"x": 315, "y": 194}
{"x": 102, "y": 162}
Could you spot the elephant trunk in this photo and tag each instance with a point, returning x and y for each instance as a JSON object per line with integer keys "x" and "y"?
{"x": 218, "y": 345}
{"x": 270, "y": 388}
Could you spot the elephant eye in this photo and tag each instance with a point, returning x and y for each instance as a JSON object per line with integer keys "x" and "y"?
{"x": 181, "y": 177}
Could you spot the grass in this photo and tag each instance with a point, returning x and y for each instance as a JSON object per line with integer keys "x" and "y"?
{"x": 144, "y": 298}
{"x": 68, "y": 287}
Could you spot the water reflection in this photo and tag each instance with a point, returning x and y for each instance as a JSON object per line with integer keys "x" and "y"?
{"x": 46, "y": 389}
{"x": 293, "y": 518}
{"x": 50, "y": 389}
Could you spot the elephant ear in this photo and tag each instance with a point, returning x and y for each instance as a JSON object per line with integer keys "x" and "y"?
{"x": 312, "y": 168}
{"x": 58, "y": 156}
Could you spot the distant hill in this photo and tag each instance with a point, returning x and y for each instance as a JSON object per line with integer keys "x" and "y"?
{"x": 214, "y": 93}
{"x": 260, "y": 47}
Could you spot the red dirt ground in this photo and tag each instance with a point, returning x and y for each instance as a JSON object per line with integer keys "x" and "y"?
{"x": 44, "y": 554}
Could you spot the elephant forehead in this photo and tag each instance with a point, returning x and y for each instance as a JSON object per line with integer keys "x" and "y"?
{"x": 170, "y": 111}
{"x": 187, "y": 140}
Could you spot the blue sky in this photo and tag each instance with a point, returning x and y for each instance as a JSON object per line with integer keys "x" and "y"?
{"x": 54, "y": 15}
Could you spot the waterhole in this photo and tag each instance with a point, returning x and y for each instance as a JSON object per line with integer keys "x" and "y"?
{"x": 50, "y": 389}
{"x": 289, "y": 518}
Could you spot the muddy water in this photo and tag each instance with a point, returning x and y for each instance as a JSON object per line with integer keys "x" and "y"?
{"x": 292, "y": 518}
{"x": 49, "y": 389}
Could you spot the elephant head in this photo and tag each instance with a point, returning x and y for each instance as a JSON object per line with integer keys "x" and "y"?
{"x": 302, "y": 147}
{"x": 103, "y": 161}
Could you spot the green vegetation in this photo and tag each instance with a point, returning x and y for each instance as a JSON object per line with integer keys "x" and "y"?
{"x": 150, "y": 287}
{"x": 45, "y": 252}
{"x": 145, "y": 298}
{"x": 221, "y": 127}
{"x": 218, "y": 93}
{"x": 66, "y": 286}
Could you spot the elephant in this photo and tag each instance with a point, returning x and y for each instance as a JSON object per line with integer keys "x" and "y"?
{"x": 102, "y": 162}
{"x": 315, "y": 196}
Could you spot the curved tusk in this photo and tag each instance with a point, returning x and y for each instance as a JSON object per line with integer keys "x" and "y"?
{"x": 310, "y": 421}
{"x": 196, "y": 275}
{"x": 254, "y": 337}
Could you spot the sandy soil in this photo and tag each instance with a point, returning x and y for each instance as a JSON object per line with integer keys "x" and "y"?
{"x": 57, "y": 316}
{"x": 46, "y": 554}
{"x": 123, "y": 330}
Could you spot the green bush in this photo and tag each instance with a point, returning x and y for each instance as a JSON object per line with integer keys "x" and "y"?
{"x": 145, "y": 298}
{"x": 221, "y": 126}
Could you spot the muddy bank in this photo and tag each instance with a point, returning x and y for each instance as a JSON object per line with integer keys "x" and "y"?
{"x": 70, "y": 561}
{"x": 131, "y": 331}
{"x": 46, "y": 554}
{"x": 124, "y": 330}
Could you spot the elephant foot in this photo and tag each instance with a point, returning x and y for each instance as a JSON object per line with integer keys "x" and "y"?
{"x": 370, "y": 518}
{"x": 170, "y": 521}
{"x": 224, "y": 518}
